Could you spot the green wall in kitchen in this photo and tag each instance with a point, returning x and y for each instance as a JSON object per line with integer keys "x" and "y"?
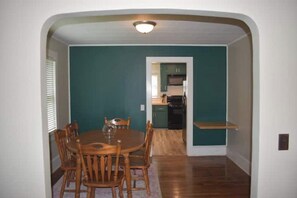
{"x": 111, "y": 81}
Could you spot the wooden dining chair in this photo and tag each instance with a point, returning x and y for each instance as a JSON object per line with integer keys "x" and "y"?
{"x": 68, "y": 163}
{"x": 100, "y": 163}
{"x": 148, "y": 126}
{"x": 140, "y": 152}
{"x": 142, "y": 162}
{"x": 72, "y": 130}
{"x": 119, "y": 123}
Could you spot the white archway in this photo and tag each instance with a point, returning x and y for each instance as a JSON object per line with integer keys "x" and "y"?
{"x": 256, "y": 96}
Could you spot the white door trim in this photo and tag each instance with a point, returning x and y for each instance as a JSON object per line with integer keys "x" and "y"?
{"x": 189, "y": 63}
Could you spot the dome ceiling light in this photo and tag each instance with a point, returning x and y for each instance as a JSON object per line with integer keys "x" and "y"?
{"x": 144, "y": 26}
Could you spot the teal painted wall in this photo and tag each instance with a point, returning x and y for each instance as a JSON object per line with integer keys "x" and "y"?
{"x": 110, "y": 81}
{"x": 210, "y": 94}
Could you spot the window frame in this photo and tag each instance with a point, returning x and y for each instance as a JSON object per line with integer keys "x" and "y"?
{"x": 157, "y": 85}
{"x": 52, "y": 56}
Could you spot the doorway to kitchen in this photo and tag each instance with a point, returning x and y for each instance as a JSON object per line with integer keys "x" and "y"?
{"x": 172, "y": 137}
{"x": 168, "y": 142}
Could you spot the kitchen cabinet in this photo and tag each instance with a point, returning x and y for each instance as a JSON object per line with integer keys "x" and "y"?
{"x": 176, "y": 69}
{"x": 170, "y": 69}
{"x": 160, "y": 116}
{"x": 163, "y": 71}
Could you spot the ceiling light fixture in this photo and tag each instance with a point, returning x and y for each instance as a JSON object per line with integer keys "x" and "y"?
{"x": 144, "y": 26}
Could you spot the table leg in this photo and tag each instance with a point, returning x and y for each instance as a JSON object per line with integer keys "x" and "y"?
{"x": 128, "y": 175}
{"x": 77, "y": 176}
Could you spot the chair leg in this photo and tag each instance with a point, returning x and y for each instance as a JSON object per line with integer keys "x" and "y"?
{"x": 93, "y": 192}
{"x": 121, "y": 188}
{"x": 134, "y": 180}
{"x": 69, "y": 173}
{"x": 63, "y": 184}
{"x": 114, "y": 195}
{"x": 89, "y": 192}
{"x": 72, "y": 176}
{"x": 146, "y": 179}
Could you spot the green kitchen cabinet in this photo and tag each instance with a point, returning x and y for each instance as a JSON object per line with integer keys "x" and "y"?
{"x": 174, "y": 68}
{"x": 170, "y": 69}
{"x": 181, "y": 69}
{"x": 160, "y": 116}
{"x": 163, "y": 71}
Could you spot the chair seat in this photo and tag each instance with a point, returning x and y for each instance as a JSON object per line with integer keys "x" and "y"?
{"x": 138, "y": 153}
{"x": 135, "y": 162}
{"x": 138, "y": 162}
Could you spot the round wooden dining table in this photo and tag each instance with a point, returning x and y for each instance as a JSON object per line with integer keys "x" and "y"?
{"x": 131, "y": 140}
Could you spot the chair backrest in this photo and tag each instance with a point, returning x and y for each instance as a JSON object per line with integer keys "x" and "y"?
{"x": 148, "y": 143}
{"x": 100, "y": 161}
{"x": 119, "y": 123}
{"x": 72, "y": 130}
{"x": 61, "y": 141}
{"x": 148, "y": 125}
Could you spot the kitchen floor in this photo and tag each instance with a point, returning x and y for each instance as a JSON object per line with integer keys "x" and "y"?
{"x": 168, "y": 142}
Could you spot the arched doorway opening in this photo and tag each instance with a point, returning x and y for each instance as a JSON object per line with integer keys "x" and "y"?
{"x": 248, "y": 21}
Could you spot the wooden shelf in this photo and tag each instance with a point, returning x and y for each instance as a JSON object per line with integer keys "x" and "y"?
{"x": 216, "y": 125}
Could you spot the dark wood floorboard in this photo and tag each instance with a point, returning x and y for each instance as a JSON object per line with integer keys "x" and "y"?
{"x": 186, "y": 177}
{"x": 211, "y": 176}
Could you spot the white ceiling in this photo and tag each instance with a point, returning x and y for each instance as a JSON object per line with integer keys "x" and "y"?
{"x": 170, "y": 29}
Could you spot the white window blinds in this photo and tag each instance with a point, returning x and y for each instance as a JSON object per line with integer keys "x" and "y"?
{"x": 51, "y": 94}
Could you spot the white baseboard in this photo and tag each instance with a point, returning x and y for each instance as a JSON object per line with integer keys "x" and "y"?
{"x": 206, "y": 150}
{"x": 240, "y": 161}
{"x": 55, "y": 162}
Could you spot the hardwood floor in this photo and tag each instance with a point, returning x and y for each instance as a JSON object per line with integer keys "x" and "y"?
{"x": 187, "y": 177}
{"x": 181, "y": 176}
{"x": 168, "y": 142}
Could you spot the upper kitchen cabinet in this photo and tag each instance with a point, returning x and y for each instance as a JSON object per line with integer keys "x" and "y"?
{"x": 170, "y": 69}
{"x": 163, "y": 71}
{"x": 174, "y": 68}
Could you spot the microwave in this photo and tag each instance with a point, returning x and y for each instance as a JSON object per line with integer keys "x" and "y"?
{"x": 176, "y": 80}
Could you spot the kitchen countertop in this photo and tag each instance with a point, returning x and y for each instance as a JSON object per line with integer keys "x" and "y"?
{"x": 159, "y": 103}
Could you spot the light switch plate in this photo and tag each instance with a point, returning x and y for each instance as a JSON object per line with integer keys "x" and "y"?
{"x": 283, "y": 142}
{"x": 142, "y": 107}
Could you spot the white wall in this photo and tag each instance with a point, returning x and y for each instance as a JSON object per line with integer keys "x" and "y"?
{"x": 61, "y": 49}
{"x": 240, "y": 102}
{"x": 24, "y": 141}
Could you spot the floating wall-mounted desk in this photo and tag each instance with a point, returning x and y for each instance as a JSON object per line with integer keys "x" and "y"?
{"x": 216, "y": 125}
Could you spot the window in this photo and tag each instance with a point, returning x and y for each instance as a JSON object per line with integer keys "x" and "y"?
{"x": 51, "y": 94}
{"x": 154, "y": 86}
